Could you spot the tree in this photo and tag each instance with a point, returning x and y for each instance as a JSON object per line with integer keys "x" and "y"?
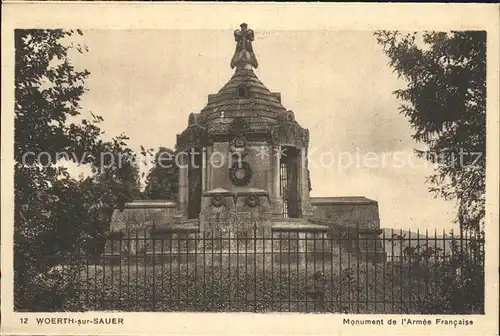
{"x": 55, "y": 214}
{"x": 445, "y": 102}
{"x": 162, "y": 181}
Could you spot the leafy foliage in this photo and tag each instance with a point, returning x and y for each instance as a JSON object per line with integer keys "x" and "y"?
{"x": 55, "y": 214}
{"x": 212, "y": 286}
{"x": 441, "y": 280}
{"x": 162, "y": 181}
{"x": 445, "y": 102}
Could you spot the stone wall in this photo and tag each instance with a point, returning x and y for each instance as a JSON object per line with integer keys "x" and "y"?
{"x": 143, "y": 214}
{"x": 353, "y": 212}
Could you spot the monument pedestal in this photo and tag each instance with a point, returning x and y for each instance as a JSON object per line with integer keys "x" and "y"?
{"x": 370, "y": 246}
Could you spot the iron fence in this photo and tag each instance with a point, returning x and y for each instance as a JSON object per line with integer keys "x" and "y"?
{"x": 394, "y": 272}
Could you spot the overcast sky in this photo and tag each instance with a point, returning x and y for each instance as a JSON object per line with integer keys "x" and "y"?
{"x": 144, "y": 83}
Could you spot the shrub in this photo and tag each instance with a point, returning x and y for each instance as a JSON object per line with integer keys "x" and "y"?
{"x": 355, "y": 288}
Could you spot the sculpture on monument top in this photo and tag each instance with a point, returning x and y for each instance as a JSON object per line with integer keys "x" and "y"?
{"x": 243, "y": 54}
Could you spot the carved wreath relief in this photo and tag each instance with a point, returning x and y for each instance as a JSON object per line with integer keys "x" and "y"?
{"x": 240, "y": 173}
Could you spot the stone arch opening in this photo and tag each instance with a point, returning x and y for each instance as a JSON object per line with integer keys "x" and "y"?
{"x": 289, "y": 182}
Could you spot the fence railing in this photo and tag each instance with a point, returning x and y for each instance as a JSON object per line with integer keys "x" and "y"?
{"x": 285, "y": 272}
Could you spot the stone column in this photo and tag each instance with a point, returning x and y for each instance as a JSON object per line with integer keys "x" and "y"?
{"x": 208, "y": 169}
{"x": 203, "y": 169}
{"x": 300, "y": 182}
{"x": 270, "y": 174}
{"x": 303, "y": 175}
{"x": 183, "y": 182}
{"x": 275, "y": 192}
{"x": 204, "y": 186}
{"x": 307, "y": 209}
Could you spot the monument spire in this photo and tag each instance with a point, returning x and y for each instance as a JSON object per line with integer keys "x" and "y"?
{"x": 244, "y": 56}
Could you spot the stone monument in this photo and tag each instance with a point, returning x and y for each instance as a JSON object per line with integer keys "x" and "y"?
{"x": 243, "y": 164}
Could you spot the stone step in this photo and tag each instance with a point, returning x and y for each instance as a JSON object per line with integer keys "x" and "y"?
{"x": 297, "y": 225}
